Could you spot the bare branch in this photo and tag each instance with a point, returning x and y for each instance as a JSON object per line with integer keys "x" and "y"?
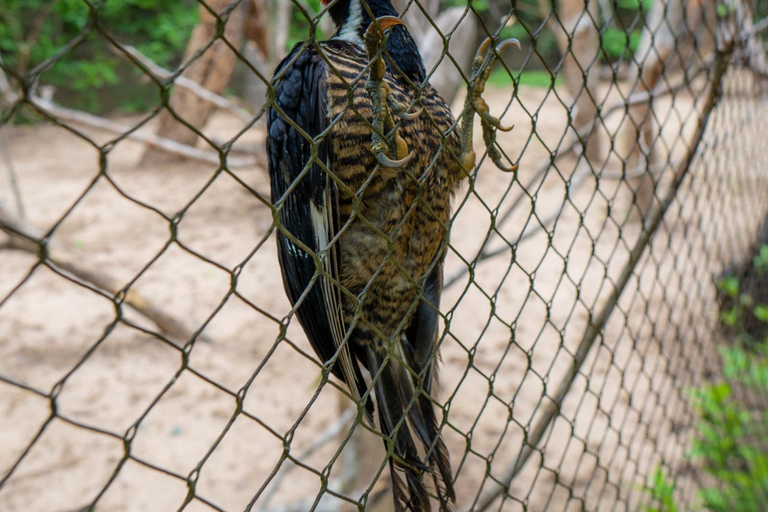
{"x": 183, "y": 81}
{"x": 27, "y": 238}
{"x": 282, "y": 22}
{"x": 4, "y": 149}
{"x": 160, "y": 143}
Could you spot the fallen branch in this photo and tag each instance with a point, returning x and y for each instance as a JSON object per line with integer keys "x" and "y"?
{"x": 167, "y": 145}
{"x": 186, "y": 83}
{"x": 551, "y": 409}
{"x": 5, "y": 86}
{"x": 12, "y": 179}
{"x": 27, "y": 238}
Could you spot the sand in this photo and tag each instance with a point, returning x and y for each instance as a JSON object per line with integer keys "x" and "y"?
{"x": 512, "y": 331}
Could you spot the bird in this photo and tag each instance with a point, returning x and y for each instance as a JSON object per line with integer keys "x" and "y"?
{"x": 364, "y": 158}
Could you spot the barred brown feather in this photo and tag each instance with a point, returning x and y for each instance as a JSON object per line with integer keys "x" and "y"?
{"x": 387, "y": 228}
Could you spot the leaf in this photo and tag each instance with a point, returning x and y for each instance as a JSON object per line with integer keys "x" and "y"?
{"x": 729, "y": 286}
{"x": 761, "y": 312}
{"x": 760, "y": 261}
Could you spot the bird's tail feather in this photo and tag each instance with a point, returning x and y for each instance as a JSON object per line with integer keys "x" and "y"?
{"x": 395, "y": 391}
{"x": 422, "y": 418}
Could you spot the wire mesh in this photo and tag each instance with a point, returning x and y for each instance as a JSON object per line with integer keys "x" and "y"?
{"x": 149, "y": 359}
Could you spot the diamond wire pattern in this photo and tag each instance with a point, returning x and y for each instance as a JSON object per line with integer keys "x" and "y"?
{"x": 555, "y": 242}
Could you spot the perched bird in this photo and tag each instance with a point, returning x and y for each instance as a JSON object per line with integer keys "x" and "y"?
{"x": 363, "y": 223}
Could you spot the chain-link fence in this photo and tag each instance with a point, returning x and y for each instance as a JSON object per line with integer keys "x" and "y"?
{"x": 149, "y": 357}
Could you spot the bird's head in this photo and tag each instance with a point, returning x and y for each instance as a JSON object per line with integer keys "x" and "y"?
{"x": 352, "y": 19}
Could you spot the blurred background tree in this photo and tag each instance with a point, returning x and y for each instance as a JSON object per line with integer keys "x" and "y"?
{"x": 92, "y": 76}
{"x": 96, "y": 77}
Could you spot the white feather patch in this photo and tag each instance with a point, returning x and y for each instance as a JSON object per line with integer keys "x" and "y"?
{"x": 350, "y": 30}
{"x": 322, "y": 224}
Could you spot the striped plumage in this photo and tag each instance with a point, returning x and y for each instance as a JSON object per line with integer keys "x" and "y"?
{"x": 410, "y": 206}
{"x": 362, "y": 246}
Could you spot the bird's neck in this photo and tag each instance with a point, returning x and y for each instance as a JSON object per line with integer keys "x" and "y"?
{"x": 352, "y": 19}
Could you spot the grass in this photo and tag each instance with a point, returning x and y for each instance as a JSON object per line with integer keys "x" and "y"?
{"x": 539, "y": 78}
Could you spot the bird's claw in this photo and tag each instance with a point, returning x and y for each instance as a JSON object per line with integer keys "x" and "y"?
{"x": 499, "y": 47}
{"x": 496, "y": 123}
{"x": 405, "y": 116}
{"x": 386, "y": 143}
{"x": 388, "y": 163}
{"x": 475, "y": 104}
{"x": 497, "y": 158}
{"x": 382, "y": 23}
{"x": 507, "y": 43}
{"x": 483, "y": 47}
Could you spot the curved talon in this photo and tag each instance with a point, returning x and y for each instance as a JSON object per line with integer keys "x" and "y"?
{"x": 496, "y": 156}
{"x": 484, "y": 47}
{"x": 496, "y": 123}
{"x": 405, "y": 116}
{"x": 507, "y": 43}
{"x": 475, "y": 104}
{"x": 506, "y": 168}
{"x": 387, "y": 162}
{"x": 385, "y": 22}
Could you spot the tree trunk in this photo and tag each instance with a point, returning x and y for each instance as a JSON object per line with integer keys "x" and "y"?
{"x": 463, "y": 30}
{"x": 657, "y": 42}
{"x": 266, "y": 29}
{"x": 446, "y": 79}
{"x": 579, "y": 42}
{"x": 211, "y": 70}
{"x": 669, "y": 28}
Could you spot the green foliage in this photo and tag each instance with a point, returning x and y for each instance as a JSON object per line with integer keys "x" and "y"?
{"x": 731, "y": 443}
{"x": 617, "y": 44}
{"x": 661, "y": 490}
{"x": 478, "y": 5}
{"x": 627, "y": 5}
{"x": 740, "y": 303}
{"x": 760, "y": 261}
{"x": 732, "y": 440}
{"x": 298, "y": 29}
{"x": 761, "y": 9}
{"x": 500, "y": 79}
{"x": 94, "y": 76}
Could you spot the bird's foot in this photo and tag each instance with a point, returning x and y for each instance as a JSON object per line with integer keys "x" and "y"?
{"x": 389, "y": 147}
{"x": 475, "y": 104}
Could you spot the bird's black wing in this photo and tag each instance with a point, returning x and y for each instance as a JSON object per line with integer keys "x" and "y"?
{"x": 420, "y": 350}
{"x": 309, "y": 210}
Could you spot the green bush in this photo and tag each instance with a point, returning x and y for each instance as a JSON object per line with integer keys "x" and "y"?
{"x": 732, "y": 434}
{"x": 93, "y": 76}
{"x": 731, "y": 442}
{"x": 661, "y": 491}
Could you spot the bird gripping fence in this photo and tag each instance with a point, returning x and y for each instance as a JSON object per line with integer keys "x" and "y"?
{"x": 149, "y": 359}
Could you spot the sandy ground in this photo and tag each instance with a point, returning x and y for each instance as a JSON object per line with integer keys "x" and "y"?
{"x": 512, "y": 331}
